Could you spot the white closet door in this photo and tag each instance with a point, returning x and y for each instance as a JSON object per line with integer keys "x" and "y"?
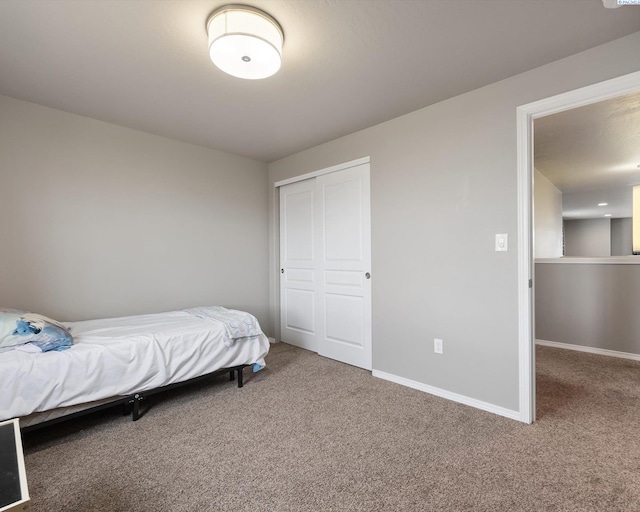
{"x": 325, "y": 252}
{"x": 344, "y": 265}
{"x": 298, "y": 299}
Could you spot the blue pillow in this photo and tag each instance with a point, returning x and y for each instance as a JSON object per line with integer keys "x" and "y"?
{"x": 19, "y": 328}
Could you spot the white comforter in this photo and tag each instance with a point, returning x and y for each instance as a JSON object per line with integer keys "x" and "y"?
{"x": 118, "y": 357}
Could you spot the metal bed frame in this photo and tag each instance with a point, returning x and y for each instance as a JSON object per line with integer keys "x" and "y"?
{"x": 131, "y": 403}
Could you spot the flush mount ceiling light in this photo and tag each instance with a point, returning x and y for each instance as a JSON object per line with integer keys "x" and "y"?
{"x": 245, "y": 42}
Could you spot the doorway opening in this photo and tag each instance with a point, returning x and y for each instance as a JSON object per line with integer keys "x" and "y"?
{"x": 526, "y": 116}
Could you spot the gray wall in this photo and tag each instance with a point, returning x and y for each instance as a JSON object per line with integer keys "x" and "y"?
{"x": 621, "y": 237}
{"x": 547, "y": 211}
{"x": 593, "y": 305}
{"x": 587, "y": 237}
{"x": 596, "y": 237}
{"x": 98, "y": 220}
{"x": 443, "y": 183}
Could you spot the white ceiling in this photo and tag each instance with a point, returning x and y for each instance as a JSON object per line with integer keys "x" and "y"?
{"x": 584, "y": 205}
{"x": 592, "y": 154}
{"x": 347, "y": 64}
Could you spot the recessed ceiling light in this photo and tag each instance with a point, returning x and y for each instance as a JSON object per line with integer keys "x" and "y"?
{"x": 607, "y": 215}
{"x": 603, "y": 204}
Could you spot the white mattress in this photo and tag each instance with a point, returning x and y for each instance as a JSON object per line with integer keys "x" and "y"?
{"x": 119, "y": 357}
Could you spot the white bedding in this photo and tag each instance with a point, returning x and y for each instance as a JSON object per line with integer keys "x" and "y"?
{"x": 119, "y": 357}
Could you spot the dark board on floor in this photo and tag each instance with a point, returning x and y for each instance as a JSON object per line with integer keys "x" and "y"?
{"x": 12, "y": 487}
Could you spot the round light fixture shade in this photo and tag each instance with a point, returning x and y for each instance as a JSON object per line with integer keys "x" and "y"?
{"x": 245, "y": 42}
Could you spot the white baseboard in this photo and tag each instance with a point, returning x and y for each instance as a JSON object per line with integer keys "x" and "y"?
{"x": 590, "y": 350}
{"x": 272, "y": 340}
{"x": 455, "y": 397}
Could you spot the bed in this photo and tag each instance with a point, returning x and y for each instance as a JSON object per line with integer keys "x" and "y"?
{"x": 123, "y": 360}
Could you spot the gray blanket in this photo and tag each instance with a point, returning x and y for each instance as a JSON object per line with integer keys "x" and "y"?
{"x": 237, "y": 324}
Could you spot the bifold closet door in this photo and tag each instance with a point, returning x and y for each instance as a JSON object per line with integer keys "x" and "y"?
{"x": 325, "y": 251}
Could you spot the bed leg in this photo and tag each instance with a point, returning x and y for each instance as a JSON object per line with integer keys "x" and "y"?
{"x": 136, "y": 407}
{"x": 232, "y": 375}
{"x": 240, "y": 383}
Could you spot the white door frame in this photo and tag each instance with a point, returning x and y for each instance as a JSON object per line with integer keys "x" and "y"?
{"x": 326, "y": 170}
{"x": 525, "y": 116}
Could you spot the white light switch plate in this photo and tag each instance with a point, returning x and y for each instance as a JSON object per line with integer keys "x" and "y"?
{"x": 502, "y": 242}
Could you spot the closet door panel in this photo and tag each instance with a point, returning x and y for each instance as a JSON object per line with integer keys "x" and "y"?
{"x": 344, "y": 265}
{"x": 298, "y": 248}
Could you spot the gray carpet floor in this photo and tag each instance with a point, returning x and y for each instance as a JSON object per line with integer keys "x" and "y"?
{"x": 311, "y": 434}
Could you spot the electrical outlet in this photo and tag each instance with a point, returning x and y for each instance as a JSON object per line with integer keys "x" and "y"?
{"x": 437, "y": 346}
